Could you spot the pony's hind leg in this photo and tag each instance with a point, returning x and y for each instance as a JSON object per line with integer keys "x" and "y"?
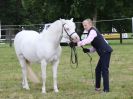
{"x": 55, "y": 66}
{"x": 24, "y": 72}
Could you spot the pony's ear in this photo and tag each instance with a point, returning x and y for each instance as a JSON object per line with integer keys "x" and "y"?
{"x": 71, "y": 19}
{"x": 62, "y": 20}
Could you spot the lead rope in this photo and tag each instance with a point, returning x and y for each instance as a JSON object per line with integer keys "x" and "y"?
{"x": 74, "y": 60}
{"x": 92, "y": 76}
{"x": 74, "y": 57}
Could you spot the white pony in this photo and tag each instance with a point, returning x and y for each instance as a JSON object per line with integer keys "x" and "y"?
{"x": 30, "y": 47}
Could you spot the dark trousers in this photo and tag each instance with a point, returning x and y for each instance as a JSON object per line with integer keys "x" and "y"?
{"x": 102, "y": 70}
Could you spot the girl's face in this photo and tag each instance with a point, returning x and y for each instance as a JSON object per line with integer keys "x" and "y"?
{"x": 86, "y": 25}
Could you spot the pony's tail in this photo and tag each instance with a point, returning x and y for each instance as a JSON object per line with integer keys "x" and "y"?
{"x": 31, "y": 75}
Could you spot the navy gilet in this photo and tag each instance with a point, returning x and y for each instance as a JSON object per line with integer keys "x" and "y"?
{"x": 99, "y": 43}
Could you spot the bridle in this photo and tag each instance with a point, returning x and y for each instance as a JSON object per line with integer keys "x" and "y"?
{"x": 73, "y": 57}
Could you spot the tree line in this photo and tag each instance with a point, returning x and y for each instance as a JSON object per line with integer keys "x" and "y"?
{"x": 43, "y": 11}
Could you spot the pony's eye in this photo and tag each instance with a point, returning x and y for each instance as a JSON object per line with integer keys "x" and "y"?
{"x": 67, "y": 29}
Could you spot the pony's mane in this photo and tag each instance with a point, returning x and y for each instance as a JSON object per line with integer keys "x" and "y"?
{"x": 54, "y": 24}
{"x": 53, "y": 27}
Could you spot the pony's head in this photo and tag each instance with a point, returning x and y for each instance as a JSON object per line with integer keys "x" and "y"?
{"x": 69, "y": 30}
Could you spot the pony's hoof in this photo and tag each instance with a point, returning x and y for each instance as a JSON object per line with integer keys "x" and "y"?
{"x": 43, "y": 92}
{"x": 26, "y": 87}
{"x": 56, "y": 91}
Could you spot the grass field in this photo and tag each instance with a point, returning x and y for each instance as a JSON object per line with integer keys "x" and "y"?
{"x": 73, "y": 83}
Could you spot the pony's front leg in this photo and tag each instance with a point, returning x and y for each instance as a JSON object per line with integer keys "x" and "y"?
{"x": 55, "y": 66}
{"x": 43, "y": 68}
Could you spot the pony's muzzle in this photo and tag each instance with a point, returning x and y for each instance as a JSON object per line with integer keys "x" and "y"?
{"x": 75, "y": 38}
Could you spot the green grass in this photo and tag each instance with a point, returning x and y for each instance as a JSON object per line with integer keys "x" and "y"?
{"x": 73, "y": 83}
